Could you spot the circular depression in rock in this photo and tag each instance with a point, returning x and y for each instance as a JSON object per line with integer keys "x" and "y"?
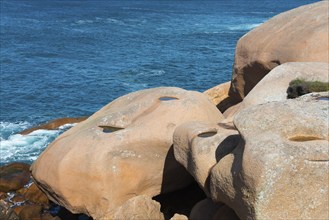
{"x": 167, "y": 98}
{"x": 110, "y": 129}
{"x": 207, "y": 134}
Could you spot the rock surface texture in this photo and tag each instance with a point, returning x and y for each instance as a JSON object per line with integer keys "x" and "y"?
{"x": 138, "y": 207}
{"x": 14, "y": 176}
{"x": 281, "y": 168}
{"x": 299, "y": 35}
{"x": 198, "y": 146}
{"x": 273, "y": 87}
{"x": 122, "y": 151}
{"x": 219, "y": 96}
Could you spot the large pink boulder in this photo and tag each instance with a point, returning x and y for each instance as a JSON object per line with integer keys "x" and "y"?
{"x": 281, "y": 168}
{"x": 299, "y": 35}
{"x": 122, "y": 151}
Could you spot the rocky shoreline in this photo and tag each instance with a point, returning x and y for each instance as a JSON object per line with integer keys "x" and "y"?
{"x": 240, "y": 150}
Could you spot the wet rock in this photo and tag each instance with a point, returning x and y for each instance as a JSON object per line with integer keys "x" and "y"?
{"x": 29, "y": 212}
{"x": 6, "y": 213}
{"x": 54, "y": 124}
{"x": 14, "y": 176}
{"x": 35, "y": 195}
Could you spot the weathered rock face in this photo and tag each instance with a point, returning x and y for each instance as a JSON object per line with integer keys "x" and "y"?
{"x": 121, "y": 151}
{"x": 273, "y": 87}
{"x": 299, "y": 35}
{"x": 219, "y": 96}
{"x": 281, "y": 169}
{"x": 35, "y": 195}
{"x": 139, "y": 207}
{"x": 198, "y": 146}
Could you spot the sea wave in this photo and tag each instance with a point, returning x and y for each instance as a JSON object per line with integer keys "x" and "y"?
{"x": 243, "y": 26}
{"x": 9, "y": 128}
{"x": 152, "y": 73}
{"x": 25, "y": 148}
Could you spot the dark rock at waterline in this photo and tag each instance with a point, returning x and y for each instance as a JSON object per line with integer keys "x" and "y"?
{"x": 6, "y": 213}
{"x": 14, "y": 176}
{"x": 54, "y": 124}
{"x": 27, "y": 201}
{"x": 29, "y": 212}
{"x": 35, "y": 195}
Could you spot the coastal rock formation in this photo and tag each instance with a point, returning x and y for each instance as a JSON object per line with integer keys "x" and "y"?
{"x": 219, "y": 96}
{"x": 198, "y": 146}
{"x": 14, "y": 176}
{"x": 138, "y": 207}
{"x": 35, "y": 195}
{"x": 54, "y": 124}
{"x": 299, "y": 35}
{"x": 281, "y": 168}
{"x": 273, "y": 87}
{"x": 122, "y": 151}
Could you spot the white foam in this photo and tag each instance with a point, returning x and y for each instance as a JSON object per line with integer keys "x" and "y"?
{"x": 9, "y": 128}
{"x": 152, "y": 73}
{"x": 84, "y": 21}
{"x": 114, "y": 21}
{"x": 243, "y": 26}
{"x": 27, "y": 148}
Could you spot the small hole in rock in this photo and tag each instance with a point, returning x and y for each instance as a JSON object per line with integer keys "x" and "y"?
{"x": 207, "y": 134}
{"x": 110, "y": 129}
{"x": 167, "y": 98}
{"x": 304, "y": 138}
{"x": 324, "y": 98}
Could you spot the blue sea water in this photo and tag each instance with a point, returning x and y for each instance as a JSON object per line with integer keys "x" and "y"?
{"x": 69, "y": 58}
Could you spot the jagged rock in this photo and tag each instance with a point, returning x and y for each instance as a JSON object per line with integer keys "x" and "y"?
{"x": 198, "y": 146}
{"x": 281, "y": 169}
{"x": 122, "y": 151}
{"x": 298, "y": 35}
{"x": 14, "y": 176}
{"x": 273, "y": 87}
{"x": 139, "y": 207}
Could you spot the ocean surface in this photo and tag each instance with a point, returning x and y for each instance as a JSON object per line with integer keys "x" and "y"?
{"x": 69, "y": 58}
